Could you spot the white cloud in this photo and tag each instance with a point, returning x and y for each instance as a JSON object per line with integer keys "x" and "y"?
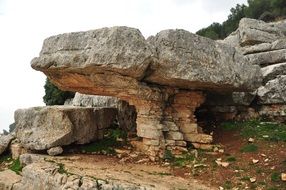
{"x": 26, "y": 23}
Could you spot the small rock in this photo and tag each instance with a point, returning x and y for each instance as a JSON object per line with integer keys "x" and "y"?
{"x": 252, "y": 179}
{"x": 283, "y": 176}
{"x": 55, "y": 151}
{"x": 272, "y": 168}
{"x": 223, "y": 164}
{"x": 263, "y": 155}
{"x": 254, "y": 161}
{"x": 251, "y": 140}
{"x": 221, "y": 188}
{"x": 266, "y": 160}
{"x": 215, "y": 149}
{"x": 200, "y": 165}
{"x": 221, "y": 150}
{"x": 265, "y": 136}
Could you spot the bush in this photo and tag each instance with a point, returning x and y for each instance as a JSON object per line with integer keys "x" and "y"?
{"x": 55, "y": 96}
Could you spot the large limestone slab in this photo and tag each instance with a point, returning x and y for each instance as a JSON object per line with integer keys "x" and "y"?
{"x": 103, "y": 61}
{"x": 272, "y": 71}
{"x": 41, "y": 128}
{"x": 274, "y": 92}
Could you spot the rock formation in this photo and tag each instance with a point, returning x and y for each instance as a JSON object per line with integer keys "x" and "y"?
{"x": 42, "y": 128}
{"x": 5, "y": 140}
{"x": 264, "y": 44}
{"x": 164, "y": 77}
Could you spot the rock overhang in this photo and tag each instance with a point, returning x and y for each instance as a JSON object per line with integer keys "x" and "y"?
{"x": 173, "y": 58}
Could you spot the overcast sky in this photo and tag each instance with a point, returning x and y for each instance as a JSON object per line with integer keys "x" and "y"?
{"x": 24, "y": 24}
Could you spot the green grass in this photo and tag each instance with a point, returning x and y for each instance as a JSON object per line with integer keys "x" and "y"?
{"x": 181, "y": 161}
{"x": 62, "y": 169}
{"x": 107, "y": 144}
{"x": 16, "y": 166}
{"x": 231, "y": 159}
{"x": 257, "y": 129}
{"x": 249, "y": 148}
{"x": 275, "y": 177}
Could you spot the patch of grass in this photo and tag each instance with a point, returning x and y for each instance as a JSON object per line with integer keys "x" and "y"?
{"x": 62, "y": 169}
{"x": 181, "y": 161}
{"x": 245, "y": 178}
{"x": 257, "y": 129}
{"x": 16, "y": 166}
{"x": 249, "y": 148}
{"x": 275, "y": 177}
{"x": 231, "y": 159}
{"x": 108, "y": 144}
{"x": 227, "y": 185}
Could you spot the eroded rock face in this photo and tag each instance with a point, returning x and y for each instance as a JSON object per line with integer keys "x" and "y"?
{"x": 263, "y": 44}
{"x": 5, "y": 140}
{"x": 41, "y": 128}
{"x": 162, "y": 77}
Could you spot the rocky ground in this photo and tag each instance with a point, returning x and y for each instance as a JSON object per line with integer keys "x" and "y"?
{"x": 247, "y": 155}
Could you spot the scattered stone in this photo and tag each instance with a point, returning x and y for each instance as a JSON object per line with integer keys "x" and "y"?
{"x": 283, "y": 176}
{"x": 223, "y": 164}
{"x": 252, "y": 179}
{"x": 266, "y": 160}
{"x": 265, "y": 136}
{"x": 5, "y": 141}
{"x": 55, "y": 151}
{"x": 263, "y": 155}
{"x": 221, "y": 150}
{"x": 251, "y": 140}
{"x": 200, "y": 165}
{"x": 254, "y": 161}
{"x": 215, "y": 149}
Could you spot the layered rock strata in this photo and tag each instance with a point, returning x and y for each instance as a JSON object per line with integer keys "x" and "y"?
{"x": 163, "y": 77}
{"x": 264, "y": 44}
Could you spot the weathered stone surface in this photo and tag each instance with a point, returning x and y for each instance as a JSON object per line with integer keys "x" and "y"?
{"x": 190, "y": 61}
{"x": 5, "y": 141}
{"x": 267, "y": 58}
{"x": 274, "y": 92}
{"x": 253, "y": 31}
{"x": 55, "y": 151}
{"x": 17, "y": 150}
{"x": 85, "y": 100}
{"x": 276, "y": 45}
{"x": 7, "y": 179}
{"x": 41, "y": 128}
{"x": 173, "y": 57}
{"x": 46, "y": 175}
{"x": 198, "y": 138}
{"x": 272, "y": 71}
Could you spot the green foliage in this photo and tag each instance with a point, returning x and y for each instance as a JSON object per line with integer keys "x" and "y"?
{"x": 16, "y": 166}
{"x": 231, "y": 159}
{"x": 62, "y": 169}
{"x": 249, "y": 148}
{"x": 181, "y": 160}
{"x": 275, "y": 177}
{"x": 267, "y": 10}
{"x": 55, "y": 96}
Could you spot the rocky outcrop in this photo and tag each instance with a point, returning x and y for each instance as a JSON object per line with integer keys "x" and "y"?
{"x": 5, "y": 140}
{"x": 263, "y": 44}
{"x": 163, "y": 76}
{"x": 41, "y": 128}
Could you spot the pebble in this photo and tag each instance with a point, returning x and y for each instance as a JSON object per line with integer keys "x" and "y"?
{"x": 254, "y": 161}
{"x": 251, "y": 140}
{"x": 221, "y": 150}
{"x": 283, "y": 176}
{"x": 252, "y": 179}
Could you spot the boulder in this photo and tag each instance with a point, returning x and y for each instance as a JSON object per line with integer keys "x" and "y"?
{"x": 17, "y": 150}
{"x": 274, "y": 92}
{"x": 5, "y": 140}
{"x": 8, "y": 178}
{"x": 41, "y": 128}
{"x": 55, "y": 151}
{"x": 86, "y": 100}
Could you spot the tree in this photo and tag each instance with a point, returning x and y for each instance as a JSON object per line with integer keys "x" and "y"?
{"x": 55, "y": 96}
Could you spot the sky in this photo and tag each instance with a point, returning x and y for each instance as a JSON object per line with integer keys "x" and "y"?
{"x": 24, "y": 24}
